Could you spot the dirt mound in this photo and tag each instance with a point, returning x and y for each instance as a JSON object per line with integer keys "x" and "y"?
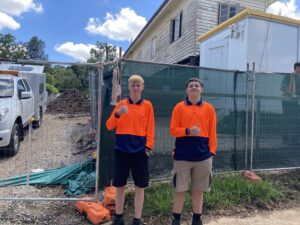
{"x": 70, "y": 102}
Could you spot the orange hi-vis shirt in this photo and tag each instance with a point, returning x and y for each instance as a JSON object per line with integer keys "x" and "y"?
{"x": 186, "y": 115}
{"x": 135, "y": 129}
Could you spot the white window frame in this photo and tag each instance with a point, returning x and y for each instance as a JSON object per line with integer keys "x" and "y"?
{"x": 176, "y": 27}
{"x": 153, "y": 47}
{"x": 227, "y": 14}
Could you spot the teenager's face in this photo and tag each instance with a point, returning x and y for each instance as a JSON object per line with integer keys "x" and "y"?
{"x": 136, "y": 88}
{"x": 194, "y": 89}
{"x": 297, "y": 70}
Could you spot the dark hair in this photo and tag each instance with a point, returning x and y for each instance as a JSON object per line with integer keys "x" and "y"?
{"x": 195, "y": 80}
{"x": 297, "y": 64}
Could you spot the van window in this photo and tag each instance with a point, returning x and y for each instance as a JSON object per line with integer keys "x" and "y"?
{"x": 27, "y": 85}
{"x": 21, "y": 86}
{"x": 6, "y": 88}
{"x": 41, "y": 88}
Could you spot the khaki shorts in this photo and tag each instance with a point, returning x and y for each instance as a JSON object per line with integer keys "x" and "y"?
{"x": 198, "y": 172}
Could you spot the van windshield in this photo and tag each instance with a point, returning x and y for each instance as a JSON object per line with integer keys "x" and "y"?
{"x": 6, "y": 88}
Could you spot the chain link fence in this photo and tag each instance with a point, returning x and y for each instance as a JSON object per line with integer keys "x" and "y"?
{"x": 258, "y": 124}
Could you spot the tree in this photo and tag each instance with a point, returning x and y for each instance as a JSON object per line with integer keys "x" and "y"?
{"x": 36, "y": 49}
{"x": 9, "y": 49}
{"x": 103, "y": 53}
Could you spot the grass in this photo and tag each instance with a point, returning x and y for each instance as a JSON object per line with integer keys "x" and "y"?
{"x": 227, "y": 191}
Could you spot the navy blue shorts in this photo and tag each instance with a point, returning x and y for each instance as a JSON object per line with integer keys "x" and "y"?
{"x": 137, "y": 163}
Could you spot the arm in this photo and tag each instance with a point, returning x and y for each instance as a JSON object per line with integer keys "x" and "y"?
{"x": 150, "y": 129}
{"x": 175, "y": 129}
{"x": 112, "y": 121}
{"x": 213, "y": 133}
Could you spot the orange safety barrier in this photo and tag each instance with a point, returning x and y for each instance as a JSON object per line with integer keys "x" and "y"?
{"x": 95, "y": 211}
{"x": 110, "y": 199}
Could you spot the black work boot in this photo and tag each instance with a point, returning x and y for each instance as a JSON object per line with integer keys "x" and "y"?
{"x": 175, "y": 222}
{"x": 197, "y": 222}
{"x": 118, "y": 221}
{"x": 136, "y": 222}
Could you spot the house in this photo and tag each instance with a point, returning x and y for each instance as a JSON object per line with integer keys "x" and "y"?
{"x": 170, "y": 35}
{"x": 270, "y": 42}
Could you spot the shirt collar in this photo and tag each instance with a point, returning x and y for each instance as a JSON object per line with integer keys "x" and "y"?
{"x": 188, "y": 102}
{"x": 137, "y": 103}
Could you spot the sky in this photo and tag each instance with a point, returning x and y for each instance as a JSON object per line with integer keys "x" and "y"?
{"x": 70, "y": 28}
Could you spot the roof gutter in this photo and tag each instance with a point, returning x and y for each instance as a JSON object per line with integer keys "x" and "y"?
{"x": 243, "y": 14}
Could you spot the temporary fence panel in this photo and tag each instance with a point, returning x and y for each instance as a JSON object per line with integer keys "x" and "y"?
{"x": 60, "y": 151}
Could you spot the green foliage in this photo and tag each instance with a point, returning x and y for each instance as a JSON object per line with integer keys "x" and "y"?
{"x": 232, "y": 190}
{"x": 10, "y": 49}
{"x": 51, "y": 89}
{"x": 226, "y": 191}
{"x": 102, "y": 53}
{"x": 36, "y": 49}
{"x": 64, "y": 78}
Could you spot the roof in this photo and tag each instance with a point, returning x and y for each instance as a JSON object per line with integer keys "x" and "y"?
{"x": 148, "y": 24}
{"x": 247, "y": 13}
{"x": 155, "y": 15}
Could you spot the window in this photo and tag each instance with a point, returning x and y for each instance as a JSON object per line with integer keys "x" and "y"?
{"x": 139, "y": 55}
{"x": 27, "y": 85}
{"x": 176, "y": 28}
{"x": 21, "y": 86}
{"x": 153, "y": 47}
{"x": 6, "y": 88}
{"x": 41, "y": 88}
{"x": 227, "y": 10}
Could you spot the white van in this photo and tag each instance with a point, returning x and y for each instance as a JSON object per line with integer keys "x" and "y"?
{"x": 23, "y": 97}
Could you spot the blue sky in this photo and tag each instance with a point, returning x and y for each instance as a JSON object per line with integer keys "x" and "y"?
{"x": 60, "y": 21}
{"x": 70, "y": 27}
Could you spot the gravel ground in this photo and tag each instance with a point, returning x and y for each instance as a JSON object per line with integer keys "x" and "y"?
{"x": 51, "y": 146}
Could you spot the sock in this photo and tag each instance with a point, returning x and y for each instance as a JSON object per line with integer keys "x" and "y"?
{"x": 177, "y": 216}
{"x": 136, "y": 220}
{"x": 196, "y": 217}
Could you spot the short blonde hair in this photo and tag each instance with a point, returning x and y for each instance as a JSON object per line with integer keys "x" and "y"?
{"x": 135, "y": 79}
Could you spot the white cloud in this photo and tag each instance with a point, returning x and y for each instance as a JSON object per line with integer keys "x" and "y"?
{"x": 8, "y": 22}
{"x": 285, "y": 8}
{"x": 79, "y": 51}
{"x": 10, "y": 8}
{"x": 122, "y": 26}
{"x": 17, "y": 7}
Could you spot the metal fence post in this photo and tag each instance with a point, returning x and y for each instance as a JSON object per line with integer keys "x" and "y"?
{"x": 246, "y": 119}
{"x": 100, "y": 83}
{"x": 252, "y": 116}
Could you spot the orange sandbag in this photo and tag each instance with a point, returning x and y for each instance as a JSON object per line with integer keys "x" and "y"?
{"x": 95, "y": 211}
{"x": 110, "y": 199}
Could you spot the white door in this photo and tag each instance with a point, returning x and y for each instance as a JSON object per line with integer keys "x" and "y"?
{"x": 30, "y": 103}
{"x": 26, "y": 104}
{"x": 217, "y": 54}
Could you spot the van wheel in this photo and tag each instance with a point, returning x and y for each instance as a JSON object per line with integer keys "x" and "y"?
{"x": 38, "y": 123}
{"x": 14, "y": 144}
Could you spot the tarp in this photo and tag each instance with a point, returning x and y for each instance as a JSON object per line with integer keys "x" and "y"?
{"x": 52, "y": 177}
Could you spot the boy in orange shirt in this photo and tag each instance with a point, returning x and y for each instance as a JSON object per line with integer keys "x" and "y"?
{"x": 193, "y": 124}
{"x": 133, "y": 119}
